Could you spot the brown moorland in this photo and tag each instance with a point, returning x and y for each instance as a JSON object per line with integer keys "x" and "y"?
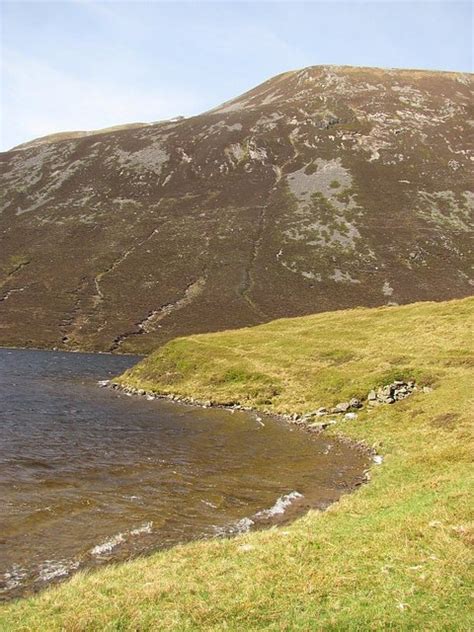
{"x": 321, "y": 189}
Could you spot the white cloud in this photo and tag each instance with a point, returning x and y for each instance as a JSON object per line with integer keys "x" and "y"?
{"x": 38, "y": 99}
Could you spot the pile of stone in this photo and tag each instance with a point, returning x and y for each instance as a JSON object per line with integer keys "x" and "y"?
{"x": 387, "y": 394}
{"x": 390, "y": 393}
{"x": 343, "y": 407}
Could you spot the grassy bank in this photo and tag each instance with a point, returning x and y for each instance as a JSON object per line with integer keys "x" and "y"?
{"x": 394, "y": 555}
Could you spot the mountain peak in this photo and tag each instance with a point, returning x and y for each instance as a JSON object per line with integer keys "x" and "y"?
{"x": 322, "y": 188}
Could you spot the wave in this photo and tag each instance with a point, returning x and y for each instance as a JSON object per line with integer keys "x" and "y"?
{"x": 280, "y": 506}
{"x": 13, "y": 578}
{"x": 245, "y": 524}
{"x": 50, "y": 569}
{"x": 47, "y": 570}
{"x": 145, "y": 528}
{"x": 109, "y": 545}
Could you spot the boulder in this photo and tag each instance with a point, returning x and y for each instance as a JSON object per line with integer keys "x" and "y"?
{"x": 350, "y": 416}
{"x": 342, "y": 407}
{"x": 321, "y": 412}
{"x": 318, "y": 425}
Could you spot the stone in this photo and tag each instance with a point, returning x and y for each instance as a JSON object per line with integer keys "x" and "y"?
{"x": 355, "y": 403}
{"x": 320, "y": 412}
{"x": 350, "y": 416}
{"x": 427, "y": 389}
{"x": 318, "y": 425}
{"x": 372, "y": 396}
{"x": 342, "y": 407}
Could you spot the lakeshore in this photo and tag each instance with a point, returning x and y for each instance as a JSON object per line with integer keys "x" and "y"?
{"x": 89, "y": 477}
{"x": 395, "y": 554}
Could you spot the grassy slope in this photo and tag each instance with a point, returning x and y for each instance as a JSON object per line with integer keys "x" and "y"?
{"x": 394, "y": 555}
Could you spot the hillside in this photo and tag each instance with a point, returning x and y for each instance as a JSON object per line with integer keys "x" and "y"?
{"x": 395, "y": 555}
{"x": 321, "y": 189}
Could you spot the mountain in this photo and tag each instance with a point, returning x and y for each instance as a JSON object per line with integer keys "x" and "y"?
{"x": 321, "y": 189}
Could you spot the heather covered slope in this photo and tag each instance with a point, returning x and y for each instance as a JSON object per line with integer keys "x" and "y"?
{"x": 320, "y": 189}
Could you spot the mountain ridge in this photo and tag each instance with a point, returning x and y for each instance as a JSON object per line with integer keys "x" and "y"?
{"x": 68, "y": 134}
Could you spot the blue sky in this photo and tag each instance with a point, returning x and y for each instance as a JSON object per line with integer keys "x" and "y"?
{"x": 85, "y": 65}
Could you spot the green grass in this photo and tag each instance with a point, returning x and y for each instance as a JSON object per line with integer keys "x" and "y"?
{"x": 395, "y": 555}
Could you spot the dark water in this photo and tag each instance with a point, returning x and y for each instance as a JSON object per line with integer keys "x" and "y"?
{"x": 88, "y": 475}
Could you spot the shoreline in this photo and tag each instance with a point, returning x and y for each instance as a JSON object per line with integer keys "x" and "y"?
{"x": 287, "y": 505}
{"x": 299, "y": 422}
{"x": 73, "y": 351}
{"x": 396, "y": 554}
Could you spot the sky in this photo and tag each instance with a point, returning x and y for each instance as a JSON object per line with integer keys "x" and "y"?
{"x": 79, "y": 64}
